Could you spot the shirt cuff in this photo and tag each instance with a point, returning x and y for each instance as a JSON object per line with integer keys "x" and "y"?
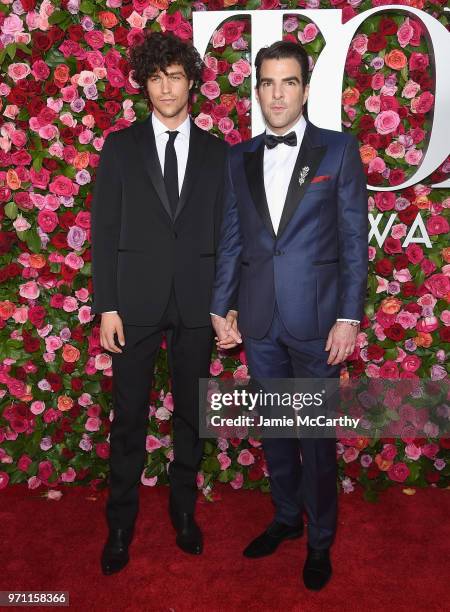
{"x": 109, "y": 311}
{"x": 349, "y": 320}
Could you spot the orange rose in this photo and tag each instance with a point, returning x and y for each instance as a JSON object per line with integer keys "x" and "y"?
{"x": 37, "y": 260}
{"x": 446, "y": 254}
{"x": 162, "y": 5}
{"x": 12, "y": 180}
{"x": 422, "y": 202}
{"x": 107, "y": 19}
{"x": 361, "y": 443}
{"x": 230, "y": 3}
{"x": 367, "y": 153}
{"x": 383, "y": 464}
{"x": 7, "y": 309}
{"x": 228, "y": 100}
{"x": 64, "y": 403}
{"x": 81, "y": 160}
{"x": 350, "y": 96}
{"x": 391, "y": 305}
{"x": 70, "y": 353}
{"x": 423, "y": 339}
{"x": 395, "y": 59}
{"x": 61, "y": 73}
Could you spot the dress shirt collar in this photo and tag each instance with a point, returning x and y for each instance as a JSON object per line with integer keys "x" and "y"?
{"x": 298, "y": 128}
{"x": 159, "y": 127}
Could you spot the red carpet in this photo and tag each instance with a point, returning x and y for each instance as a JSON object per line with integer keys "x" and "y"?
{"x": 392, "y": 555}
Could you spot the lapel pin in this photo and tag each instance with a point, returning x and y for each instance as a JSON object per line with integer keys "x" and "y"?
{"x": 303, "y": 174}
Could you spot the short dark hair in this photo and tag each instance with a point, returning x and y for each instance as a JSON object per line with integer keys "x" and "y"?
{"x": 158, "y": 51}
{"x": 283, "y": 49}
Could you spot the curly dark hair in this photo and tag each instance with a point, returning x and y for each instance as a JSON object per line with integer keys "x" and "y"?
{"x": 158, "y": 51}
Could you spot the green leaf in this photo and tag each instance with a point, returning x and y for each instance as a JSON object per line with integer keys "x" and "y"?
{"x": 86, "y": 7}
{"x": 11, "y": 210}
{"x": 57, "y": 17}
{"x": 33, "y": 240}
{"x": 11, "y": 50}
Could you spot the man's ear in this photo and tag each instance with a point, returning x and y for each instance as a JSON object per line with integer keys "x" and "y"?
{"x": 305, "y": 94}
{"x": 257, "y": 94}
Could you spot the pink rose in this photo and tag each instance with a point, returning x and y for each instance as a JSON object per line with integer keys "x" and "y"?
{"x": 377, "y": 81}
{"x": 245, "y": 457}
{"x": 411, "y": 363}
{"x": 226, "y": 125}
{"x": 387, "y": 122}
{"x": 395, "y": 150}
{"x": 414, "y": 156}
{"x": 410, "y": 89}
{"x": 350, "y": 454}
{"x": 152, "y": 443}
{"x": 24, "y": 463}
{"x": 62, "y": 185}
{"x": 437, "y": 225}
{"x": 93, "y": 424}
{"x": 398, "y": 472}
{"x": 215, "y": 367}
{"x": 45, "y": 470}
{"x": 210, "y": 90}
{"x": 40, "y": 70}
{"x": 405, "y": 33}
{"x": 359, "y": 43}
{"x": 4, "y": 479}
{"x": 236, "y": 78}
{"x": 430, "y": 450}
{"x": 389, "y": 452}
{"x": 373, "y": 104}
{"x": 377, "y": 165}
{"x": 439, "y": 285}
{"x": 29, "y": 290}
{"x": 224, "y": 461}
{"x": 237, "y": 481}
{"x": 232, "y": 30}
{"x": 385, "y": 200}
{"x": 204, "y": 121}
{"x": 414, "y": 253}
{"x": 18, "y": 71}
{"x": 243, "y": 67}
{"x": 309, "y": 34}
{"x": 423, "y": 103}
{"x": 427, "y": 324}
{"x": 412, "y": 451}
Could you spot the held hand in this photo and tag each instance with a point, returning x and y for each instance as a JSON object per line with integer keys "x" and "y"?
{"x": 111, "y": 324}
{"x": 228, "y": 335}
{"x": 341, "y": 342}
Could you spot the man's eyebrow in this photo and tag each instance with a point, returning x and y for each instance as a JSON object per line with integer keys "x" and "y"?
{"x": 292, "y": 78}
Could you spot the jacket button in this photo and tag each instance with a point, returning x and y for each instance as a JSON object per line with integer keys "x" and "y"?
{"x": 278, "y": 252}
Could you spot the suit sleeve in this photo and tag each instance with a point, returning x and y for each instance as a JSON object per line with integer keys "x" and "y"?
{"x": 226, "y": 283}
{"x": 353, "y": 230}
{"x": 105, "y": 229}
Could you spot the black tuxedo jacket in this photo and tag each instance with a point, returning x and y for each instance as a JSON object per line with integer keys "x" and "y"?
{"x": 138, "y": 249}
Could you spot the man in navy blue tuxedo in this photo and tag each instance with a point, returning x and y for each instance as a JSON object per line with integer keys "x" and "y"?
{"x": 293, "y": 257}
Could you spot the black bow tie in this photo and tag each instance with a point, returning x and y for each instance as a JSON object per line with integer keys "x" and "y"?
{"x": 272, "y": 141}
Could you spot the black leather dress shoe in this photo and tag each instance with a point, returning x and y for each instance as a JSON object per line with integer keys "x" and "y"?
{"x": 115, "y": 552}
{"x": 189, "y": 537}
{"x": 267, "y": 543}
{"x": 317, "y": 568}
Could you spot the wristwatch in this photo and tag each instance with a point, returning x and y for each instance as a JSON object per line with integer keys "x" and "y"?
{"x": 352, "y": 322}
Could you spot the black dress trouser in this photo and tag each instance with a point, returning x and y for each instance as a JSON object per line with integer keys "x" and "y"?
{"x": 189, "y": 354}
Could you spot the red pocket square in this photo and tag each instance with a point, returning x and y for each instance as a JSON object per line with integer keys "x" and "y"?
{"x": 319, "y": 179}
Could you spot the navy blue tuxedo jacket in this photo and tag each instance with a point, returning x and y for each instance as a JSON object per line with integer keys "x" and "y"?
{"x": 315, "y": 266}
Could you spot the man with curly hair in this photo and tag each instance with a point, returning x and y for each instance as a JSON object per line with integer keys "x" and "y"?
{"x": 156, "y": 211}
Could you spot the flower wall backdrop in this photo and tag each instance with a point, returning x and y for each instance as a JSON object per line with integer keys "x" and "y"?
{"x": 65, "y": 83}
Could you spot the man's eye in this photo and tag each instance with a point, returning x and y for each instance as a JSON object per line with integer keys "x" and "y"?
{"x": 174, "y": 78}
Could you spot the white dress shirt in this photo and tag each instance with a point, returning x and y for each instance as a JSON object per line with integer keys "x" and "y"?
{"x": 181, "y": 145}
{"x": 279, "y": 165}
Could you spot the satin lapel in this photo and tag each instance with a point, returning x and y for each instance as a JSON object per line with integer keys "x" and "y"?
{"x": 254, "y": 170}
{"x": 309, "y": 156}
{"x": 198, "y": 144}
{"x": 145, "y": 138}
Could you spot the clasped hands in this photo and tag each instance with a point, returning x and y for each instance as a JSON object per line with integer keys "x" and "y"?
{"x": 340, "y": 342}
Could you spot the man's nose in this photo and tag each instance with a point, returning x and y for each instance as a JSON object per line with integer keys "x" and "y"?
{"x": 277, "y": 92}
{"x": 165, "y": 84}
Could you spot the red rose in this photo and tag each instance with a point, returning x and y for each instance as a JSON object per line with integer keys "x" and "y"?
{"x": 374, "y": 352}
{"x": 398, "y": 472}
{"x": 444, "y": 334}
{"x": 353, "y": 469}
{"x": 373, "y": 471}
{"x": 387, "y": 26}
{"x": 408, "y": 289}
{"x": 401, "y": 262}
{"x": 376, "y": 42}
{"x": 437, "y": 225}
{"x": 418, "y": 61}
{"x": 232, "y": 31}
{"x": 392, "y": 245}
{"x": 384, "y": 267}
{"x": 397, "y": 176}
{"x": 395, "y": 332}
{"x": 408, "y": 215}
